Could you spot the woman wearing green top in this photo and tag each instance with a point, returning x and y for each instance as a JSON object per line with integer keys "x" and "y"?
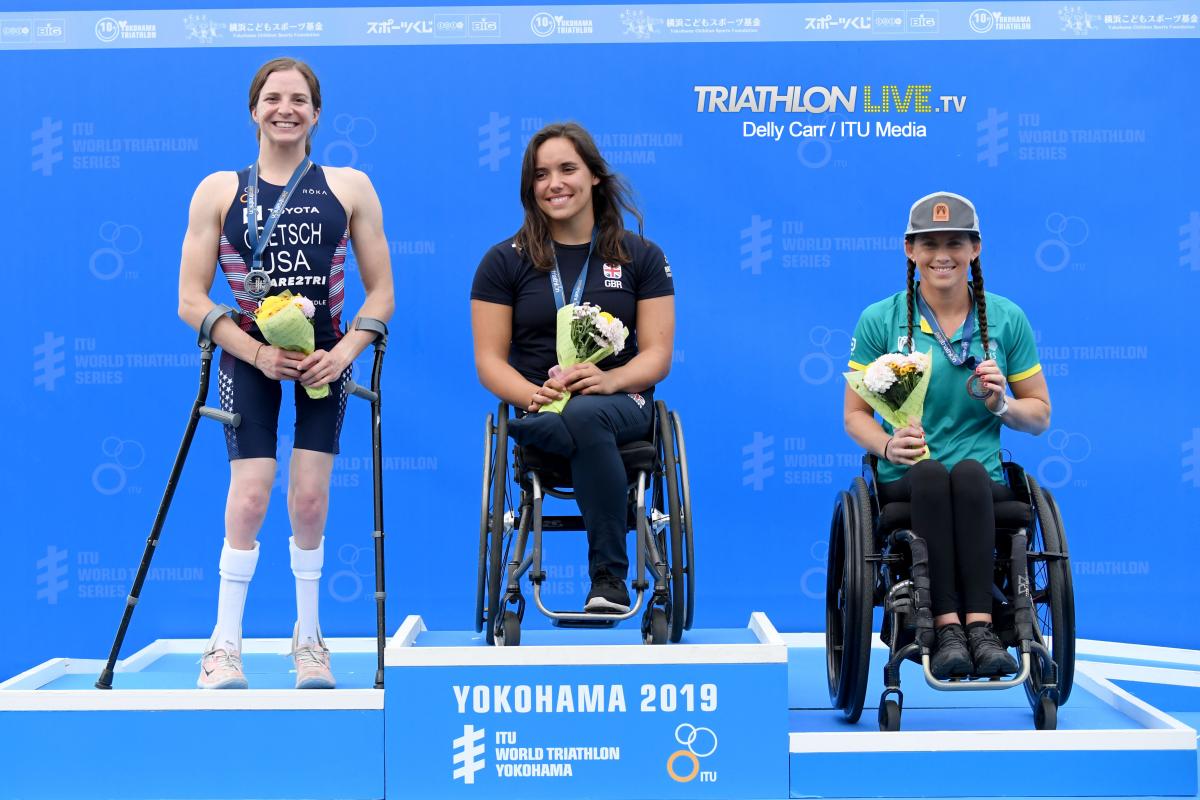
{"x": 988, "y": 346}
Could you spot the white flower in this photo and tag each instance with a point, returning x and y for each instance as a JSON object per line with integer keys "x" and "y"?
{"x": 305, "y": 305}
{"x": 918, "y": 360}
{"x": 610, "y": 333}
{"x": 879, "y": 376}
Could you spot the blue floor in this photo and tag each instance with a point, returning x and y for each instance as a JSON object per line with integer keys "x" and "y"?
{"x": 263, "y": 671}
{"x": 926, "y": 708}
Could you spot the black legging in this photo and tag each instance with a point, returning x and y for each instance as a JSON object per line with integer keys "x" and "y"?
{"x": 953, "y": 512}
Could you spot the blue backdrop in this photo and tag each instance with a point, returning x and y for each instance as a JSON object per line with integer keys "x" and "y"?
{"x": 1080, "y": 155}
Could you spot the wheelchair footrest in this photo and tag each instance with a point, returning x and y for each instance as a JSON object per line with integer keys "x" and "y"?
{"x": 597, "y": 622}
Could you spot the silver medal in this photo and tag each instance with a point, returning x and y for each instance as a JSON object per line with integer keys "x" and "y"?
{"x": 257, "y": 283}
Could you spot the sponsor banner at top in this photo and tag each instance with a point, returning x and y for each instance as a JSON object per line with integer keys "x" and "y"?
{"x": 608, "y": 24}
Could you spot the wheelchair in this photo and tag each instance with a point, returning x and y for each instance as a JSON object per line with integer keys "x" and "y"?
{"x": 659, "y": 510}
{"x": 876, "y": 560}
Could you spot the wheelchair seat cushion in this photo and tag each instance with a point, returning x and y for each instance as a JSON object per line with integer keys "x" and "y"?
{"x": 554, "y": 470}
{"x": 1009, "y": 514}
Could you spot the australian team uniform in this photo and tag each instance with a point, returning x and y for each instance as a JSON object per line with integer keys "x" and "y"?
{"x": 953, "y": 492}
{"x": 305, "y": 254}
{"x": 598, "y": 423}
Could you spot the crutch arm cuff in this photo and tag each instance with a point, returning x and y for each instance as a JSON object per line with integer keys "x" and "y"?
{"x": 206, "y": 325}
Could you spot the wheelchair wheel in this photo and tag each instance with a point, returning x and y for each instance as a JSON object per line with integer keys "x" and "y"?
{"x": 849, "y": 600}
{"x": 1045, "y": 715}
{"x": 689, "y": 567}
{"x": 481, "y": 580}
{"x": 656, "y": 631}
{"x": 889, "y": 716}
{"x": 1053, "y": 594}
{"x": 491, "y": 538}
{"x": 668, "y": 454}
{"x": 509, "y": 634}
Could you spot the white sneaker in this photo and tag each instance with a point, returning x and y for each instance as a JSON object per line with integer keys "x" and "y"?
{"x": 312, "y": 664}
{"x": 221, "y": 669}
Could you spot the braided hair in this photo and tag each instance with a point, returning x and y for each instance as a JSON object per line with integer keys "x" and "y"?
{"x": 912, "y": 271}
{"x": 976, "y": 288}
{"x": 980, "y": 301}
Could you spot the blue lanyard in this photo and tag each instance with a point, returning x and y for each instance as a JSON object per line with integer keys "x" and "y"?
{"x": 556, "y": 278}
{"x": 258, "y": 243}
{"x": 968, "y": 329}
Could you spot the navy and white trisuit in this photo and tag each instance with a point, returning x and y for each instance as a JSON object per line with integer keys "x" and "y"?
{"x": 305, "y": 255}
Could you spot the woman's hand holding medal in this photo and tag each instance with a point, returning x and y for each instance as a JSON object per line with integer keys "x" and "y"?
{"x": 906, "y": 445}
{"x": 988, "y": 378}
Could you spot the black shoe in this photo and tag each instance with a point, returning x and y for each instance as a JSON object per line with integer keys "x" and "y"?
{"x": 608, "y": 595}
{"x": 951, "y": 659}
{"x": 990, "y": 657}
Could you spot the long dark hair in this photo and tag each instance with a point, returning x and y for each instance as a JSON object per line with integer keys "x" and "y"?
{"x": 976, "y": 289}
{"x": 610, "y": 197}
{"x": 282, "y": 65}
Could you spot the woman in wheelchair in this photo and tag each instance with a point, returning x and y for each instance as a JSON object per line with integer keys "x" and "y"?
{"x": 983, "y": 345}
{"x": 573, "y": 248}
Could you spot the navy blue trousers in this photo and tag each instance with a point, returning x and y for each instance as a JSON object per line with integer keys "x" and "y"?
{"x": 595, "y": 426}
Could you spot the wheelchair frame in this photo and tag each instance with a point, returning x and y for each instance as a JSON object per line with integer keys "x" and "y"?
{"x": 866, "y": 570}
{"x": 664, "y": 540}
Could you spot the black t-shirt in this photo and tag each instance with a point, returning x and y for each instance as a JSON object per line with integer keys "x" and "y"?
{"x": 505, "y": 276}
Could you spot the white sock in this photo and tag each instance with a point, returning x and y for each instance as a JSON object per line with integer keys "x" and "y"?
{"x": 306, "y": 566}
{"x": 236, "y": 568}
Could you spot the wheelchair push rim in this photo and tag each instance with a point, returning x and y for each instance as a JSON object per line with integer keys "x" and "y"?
{"x": 491, "y": 537}
{"x": 1053, "y": 596}
{"x": 481, "y": 579}
{"x": 670, "y": 461}
{"x": 849, "y": 600}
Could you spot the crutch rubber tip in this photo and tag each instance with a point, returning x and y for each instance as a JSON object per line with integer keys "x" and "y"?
{"x": 105, "y": 680}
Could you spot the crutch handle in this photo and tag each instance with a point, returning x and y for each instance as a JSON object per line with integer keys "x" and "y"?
{"x": 230, "y": 418}
{"x": 206, "y": 326}
{"x": 358, "y": 390}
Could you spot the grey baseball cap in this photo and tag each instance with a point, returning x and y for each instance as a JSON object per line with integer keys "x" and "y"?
{"x": 942, "y": 211}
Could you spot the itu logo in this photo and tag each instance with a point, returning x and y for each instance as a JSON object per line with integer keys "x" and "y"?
{"x": 467, "y": 751}
{"x": 543, "y": 24}
{"x": 757, "y": 467}
{"x": 684, "y": 765}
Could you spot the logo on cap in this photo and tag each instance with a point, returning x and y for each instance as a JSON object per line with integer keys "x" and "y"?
{"x": 941, "y": 212}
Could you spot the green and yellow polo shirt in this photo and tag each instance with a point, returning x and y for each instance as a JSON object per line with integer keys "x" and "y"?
{"x": 957, "y": 426}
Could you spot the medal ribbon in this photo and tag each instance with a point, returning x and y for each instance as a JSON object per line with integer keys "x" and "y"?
{"x": 556, "y": 278}
{"x": 258, "y": 242}
{"x": 968, "y": 329}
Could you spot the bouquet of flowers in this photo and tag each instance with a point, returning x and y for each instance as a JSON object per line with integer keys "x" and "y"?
{"x": 286, "y": 322}
{"x": 895, "y": 385}
{"x": 585, "y": 334}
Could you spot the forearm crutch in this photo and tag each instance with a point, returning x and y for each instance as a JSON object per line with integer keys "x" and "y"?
{"x": 198, "y": 410}
{"x": 379, "y": 329}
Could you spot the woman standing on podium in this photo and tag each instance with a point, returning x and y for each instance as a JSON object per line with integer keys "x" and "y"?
{"x": 281, "y": 224}
{"x": 983, "y": 345}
